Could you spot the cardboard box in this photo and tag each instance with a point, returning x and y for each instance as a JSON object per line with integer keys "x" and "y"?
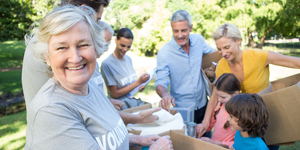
{"x": 207, "y": 60}
{"x": 282, "y": 99}
{"x": 172, "y": 111}
{"x": 184, "y": 142}
{"x": 138, "y": 108}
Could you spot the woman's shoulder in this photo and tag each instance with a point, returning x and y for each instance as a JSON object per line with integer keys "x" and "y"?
{"x": 107, "y": 60}
{"x": 255, "y": 53}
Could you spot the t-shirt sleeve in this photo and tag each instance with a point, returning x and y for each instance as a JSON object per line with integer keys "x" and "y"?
{"x": 58, "y": 127}
{"x": 162, "y": 72}
{"x": 107, "y": 75}
{"x": 262, "y": 55}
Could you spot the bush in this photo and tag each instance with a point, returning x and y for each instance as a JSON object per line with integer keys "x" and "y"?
{"x": 14, "y": 20}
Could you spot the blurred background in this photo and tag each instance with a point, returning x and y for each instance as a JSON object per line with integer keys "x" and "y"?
{"x": 265, "y": 24}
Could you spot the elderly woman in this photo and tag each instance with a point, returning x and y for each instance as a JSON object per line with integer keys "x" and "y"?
{"x": 69, "y": 112}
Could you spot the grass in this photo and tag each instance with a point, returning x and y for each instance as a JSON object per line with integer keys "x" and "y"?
{"x": 13, "y": 131}
{"x": 11, "y": 54}
{"x": 10, "y": 83}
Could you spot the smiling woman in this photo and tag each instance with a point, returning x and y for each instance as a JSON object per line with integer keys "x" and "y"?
{"x": 117, "y": 69}
{"x": 70, "y": 111}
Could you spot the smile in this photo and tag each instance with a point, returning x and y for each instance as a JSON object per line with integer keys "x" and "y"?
{"x": 76, "y": 68}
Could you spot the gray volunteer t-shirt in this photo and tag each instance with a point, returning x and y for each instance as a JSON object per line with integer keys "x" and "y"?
{"x": 59, "y": 119}
{"x": 118, "y": 72}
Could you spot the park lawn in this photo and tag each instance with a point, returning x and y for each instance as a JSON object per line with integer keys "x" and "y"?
{"x": 11, "y": 54}
{"x": 13, "y": 131}
{"x": 10, "y": 83}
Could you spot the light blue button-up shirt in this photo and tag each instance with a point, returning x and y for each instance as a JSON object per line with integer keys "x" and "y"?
{"x": 183, "y": 71}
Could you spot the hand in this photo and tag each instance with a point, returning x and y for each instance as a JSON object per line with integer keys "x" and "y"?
{"x": 148, "y": 139}
{"x": 200, "y": 129}
{"x": 145, "y": 77}
{"x": 117, "y": 104}
{"x": 166, "y": 101}
{"x": 146, "y": 116}
{"x": 163, "y": 143}
{"x": 142, "y": 87}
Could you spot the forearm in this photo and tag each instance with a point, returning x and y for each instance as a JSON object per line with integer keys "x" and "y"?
{"x": 135, "y": 139}
{"x": 128, "y": 117}
{"x": 161, "y": 91}
{"x": 212, "y": 103}
{"x": 117, "y": 93}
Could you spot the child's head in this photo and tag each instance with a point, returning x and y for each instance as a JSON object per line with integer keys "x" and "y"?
{"x": 247, "y": 112}
{"x": 227, "y": 86}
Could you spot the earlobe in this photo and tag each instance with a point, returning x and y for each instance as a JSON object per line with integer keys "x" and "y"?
{"x": 47, "y": 59}
{"x": 236, "y": 93}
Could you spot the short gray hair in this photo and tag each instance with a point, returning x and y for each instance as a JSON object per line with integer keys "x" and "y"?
{"x": 106, "y": 27}
{"x": 58, "y": 21}
{"x": 227, "y": 30}
{"x": 181, "y": 15}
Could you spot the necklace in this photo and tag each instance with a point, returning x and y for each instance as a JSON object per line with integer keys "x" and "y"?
{"x": 128, "y": 73}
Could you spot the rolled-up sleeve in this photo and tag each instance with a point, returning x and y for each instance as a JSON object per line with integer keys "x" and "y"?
{"x": 162, "y": 71}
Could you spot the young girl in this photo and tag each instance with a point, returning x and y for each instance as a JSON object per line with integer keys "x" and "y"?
{"x": 249, "y": 117}
{"x": 226, "y": 86}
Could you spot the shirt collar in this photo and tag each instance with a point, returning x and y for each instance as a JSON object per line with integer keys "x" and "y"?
{"x": 178, "y": 47}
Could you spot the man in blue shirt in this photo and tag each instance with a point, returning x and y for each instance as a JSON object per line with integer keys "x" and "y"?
{"x": 179, "y": 63}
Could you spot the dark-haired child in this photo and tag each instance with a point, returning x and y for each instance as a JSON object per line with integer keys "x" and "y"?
{"x": 226, "y": 86}
{"x": 249, "y": 117}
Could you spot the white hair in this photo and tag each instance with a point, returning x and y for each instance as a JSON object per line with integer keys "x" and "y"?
{"x": 106, "y": 27}
{"x": 60, "y": 20}
{"x": 181, "y": 15}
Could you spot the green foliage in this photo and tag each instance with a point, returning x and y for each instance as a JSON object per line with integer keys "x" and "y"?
{"x": 18, "y": 15}
{"x": 14, "y": 20}
{"x": 13, "y": 131}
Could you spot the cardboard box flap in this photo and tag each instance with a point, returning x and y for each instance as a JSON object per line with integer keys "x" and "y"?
{"x": 183, "y": 142}
{"x": 284, "y": 109}
{"x": 285, "y": 82}
{"x": 211, "y": 57}
{"x": 138, "y": 108}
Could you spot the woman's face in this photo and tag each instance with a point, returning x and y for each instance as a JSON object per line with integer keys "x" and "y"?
{"x": 72, "y": 56}
{"x": 223, "y": 97}
{"x": 122, "y": 46}
{"x": 228, "y": 48}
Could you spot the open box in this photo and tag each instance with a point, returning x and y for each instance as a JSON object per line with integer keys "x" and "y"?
{"x": 282, "y": 100}
{"x": 137, "y": 132}
{"x": 207, "y": 60}
{"x": 182, "y": 142}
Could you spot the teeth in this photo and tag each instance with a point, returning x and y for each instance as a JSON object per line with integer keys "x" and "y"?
{"x": 76, "y": 68}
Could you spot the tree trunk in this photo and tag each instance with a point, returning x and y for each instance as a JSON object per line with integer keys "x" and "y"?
{"x": 262, "y": 42}
{"x": 251, "y": 43}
